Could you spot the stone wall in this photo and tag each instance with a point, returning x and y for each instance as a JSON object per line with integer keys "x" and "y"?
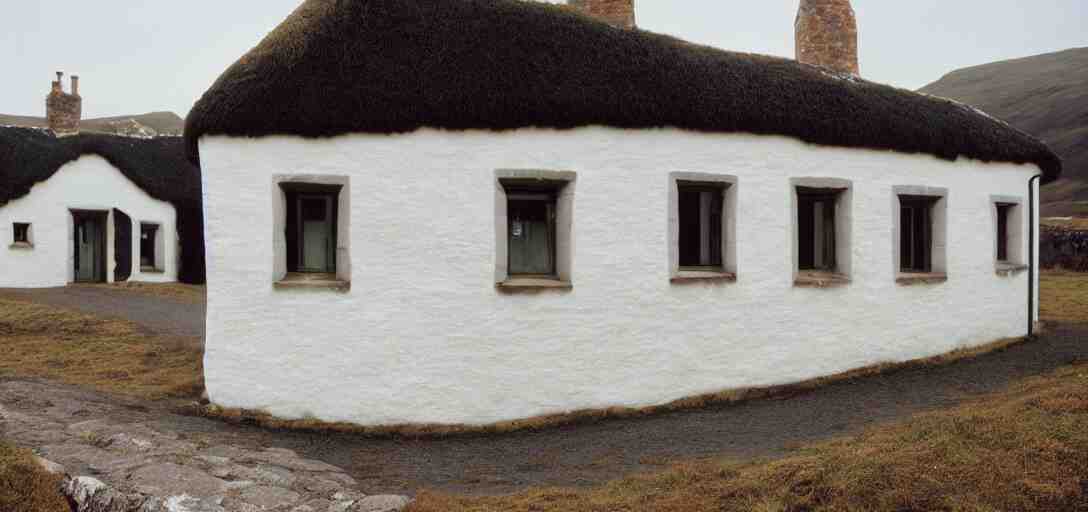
{"x": 618, "y": 13}
{"x": 827, "y": 35}
{"x": 64, "y": 110}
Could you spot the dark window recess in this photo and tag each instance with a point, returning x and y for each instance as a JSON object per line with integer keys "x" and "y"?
{"x": 148, "y": 233}
{"x": 1003, "y": 213}
{"x": 311, "y": 227}
{"x": 700, "y": 209}
{"x": 531, "y": 234}
{"x": 916, "y": 234}
{"x": 22, "y": 233}
{"x": 816, "y": 231}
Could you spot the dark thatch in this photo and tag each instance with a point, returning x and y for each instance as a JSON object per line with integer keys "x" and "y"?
{"x": 158, "y": 166}
{"x": 388, "y": 66}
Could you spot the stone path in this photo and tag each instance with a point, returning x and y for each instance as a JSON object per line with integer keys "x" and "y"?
{"x": 115, "y": 460}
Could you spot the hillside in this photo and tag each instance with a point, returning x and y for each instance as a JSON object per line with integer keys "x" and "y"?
{"x": 153, "y": 123}
{"x": 1046, "y": 96}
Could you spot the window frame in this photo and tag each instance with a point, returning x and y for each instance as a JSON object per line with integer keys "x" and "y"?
{"x": 27, "y": 239}
{"x": 155, "y": 256}
{"x": 560, "y": 183}
{"x": 1015, "y": 261}
{"x": 841, "y": 191}
{"x": 728, "y": 186}
{"x": 937, "y": 200}
{"x": 925, "y": 205}
{"x": 285, "y": 189}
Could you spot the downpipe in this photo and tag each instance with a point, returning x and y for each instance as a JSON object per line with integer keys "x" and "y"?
{"x": 1031, "y": 254}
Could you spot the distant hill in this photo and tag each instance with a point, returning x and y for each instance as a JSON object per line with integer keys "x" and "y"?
{"x": 154, "y": 123}
{"x": 1046, "y": 96}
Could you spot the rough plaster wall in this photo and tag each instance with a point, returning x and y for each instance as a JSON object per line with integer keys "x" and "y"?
{"x": 89, "y": 183}
{"x": 423, "y": 336}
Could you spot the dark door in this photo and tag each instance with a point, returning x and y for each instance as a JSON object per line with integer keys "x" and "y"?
{"x": 90, "y": 246}
{"x": 122, "y": 246}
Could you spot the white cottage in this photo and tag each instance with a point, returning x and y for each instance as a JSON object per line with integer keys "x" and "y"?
{"x": 470, "y": 211}
{"x": 94, "y": 208}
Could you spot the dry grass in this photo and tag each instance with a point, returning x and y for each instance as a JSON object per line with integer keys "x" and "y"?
{"x": 1023, "y": 449}
{"x": 1063, "y": 296}
{"x": 1073, "y": 223}
{"x": 262, "y": 419}
{"x": 25, "y": 486}
{"x": 105, "y": 354}
{"x": 180, "y": 292}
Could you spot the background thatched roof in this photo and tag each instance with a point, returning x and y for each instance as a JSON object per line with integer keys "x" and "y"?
{"x": 386, "y": 66}
{"x": 158, "y": 166}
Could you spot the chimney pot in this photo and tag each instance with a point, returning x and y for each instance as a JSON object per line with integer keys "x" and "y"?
{"x": 60, "y": 80}
{"x": 75, "y": 85}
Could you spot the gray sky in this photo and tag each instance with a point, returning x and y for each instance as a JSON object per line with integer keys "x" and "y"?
{"x": 138, "y": 56}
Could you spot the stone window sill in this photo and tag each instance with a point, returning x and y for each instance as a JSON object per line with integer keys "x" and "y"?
{"x": 529, "y": 284}
{"x": 151, "y": 270}
{"x": 1009, "y": 269}
{"x": 921, "y": 278}
{"x": 700, "y": 276}
{"x": 21, "y": 245}
{"x": 809, "y": 279}
{"x": 304, "y": 281}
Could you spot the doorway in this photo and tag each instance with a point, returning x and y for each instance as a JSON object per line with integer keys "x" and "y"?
{"x": 89, "y": 246}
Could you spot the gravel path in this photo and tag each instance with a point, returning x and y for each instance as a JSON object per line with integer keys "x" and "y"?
{"x": 158, "y": 314}
{"x": 592, "y": 454}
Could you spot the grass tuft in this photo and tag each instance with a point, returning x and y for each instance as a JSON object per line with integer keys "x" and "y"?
{"x": 25, "y": 486}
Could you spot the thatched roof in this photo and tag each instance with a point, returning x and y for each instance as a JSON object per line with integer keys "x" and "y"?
{"x": 157, "y": 165}
{"x": 388, "y": 66}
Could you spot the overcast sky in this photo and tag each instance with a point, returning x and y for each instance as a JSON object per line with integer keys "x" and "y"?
{"x": 138, "y": 56}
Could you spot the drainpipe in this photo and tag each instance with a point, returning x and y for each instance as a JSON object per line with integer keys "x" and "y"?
{"x": 1031, "y": 255}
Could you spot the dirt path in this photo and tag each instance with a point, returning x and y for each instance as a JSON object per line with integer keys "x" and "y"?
{"x": 159, "y": 315}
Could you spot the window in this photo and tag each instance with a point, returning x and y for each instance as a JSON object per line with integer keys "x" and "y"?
{"x": 822, "y": 215}
{"x": 1004, "y": 212}
{"x": 310, "y": 233}
{"x": 700, "y": 218}
{"x": 311, "y": 230}
{"x": 1009, "y": 237}
{"x": 817, "y": 229}
{"x": 149, "y": 234}
{"x": 702, "y": 227}
{"x": 531, "y": 215}
{"x": 916, "y": 234}
{"x": 22, "y": 233}
{"x": 533, "y": 224}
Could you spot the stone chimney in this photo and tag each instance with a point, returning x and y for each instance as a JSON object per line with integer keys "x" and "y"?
{"x": 827, "y": 35}
{"x": 618, "y": 13}
{"x": 63, "y": 111}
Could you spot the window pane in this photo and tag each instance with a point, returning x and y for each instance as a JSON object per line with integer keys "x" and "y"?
{"x": 22, "y": 232}
{"x": 906, "y": 238}
{"x": 531, "y": 236}
{"x": 1003, "y": 233}
{"x": 806, "y": 233}
{"x": 313, "y": 209}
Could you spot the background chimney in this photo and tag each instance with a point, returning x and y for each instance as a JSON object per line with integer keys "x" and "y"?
{"x": 63, "y": 111}
{"x": 827, "y": 35}
{"x": 618, "y": 13}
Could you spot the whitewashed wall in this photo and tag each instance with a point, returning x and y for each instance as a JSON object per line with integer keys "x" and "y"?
{"x": 89, "y": 183}
{"x": 423, "y": 335}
